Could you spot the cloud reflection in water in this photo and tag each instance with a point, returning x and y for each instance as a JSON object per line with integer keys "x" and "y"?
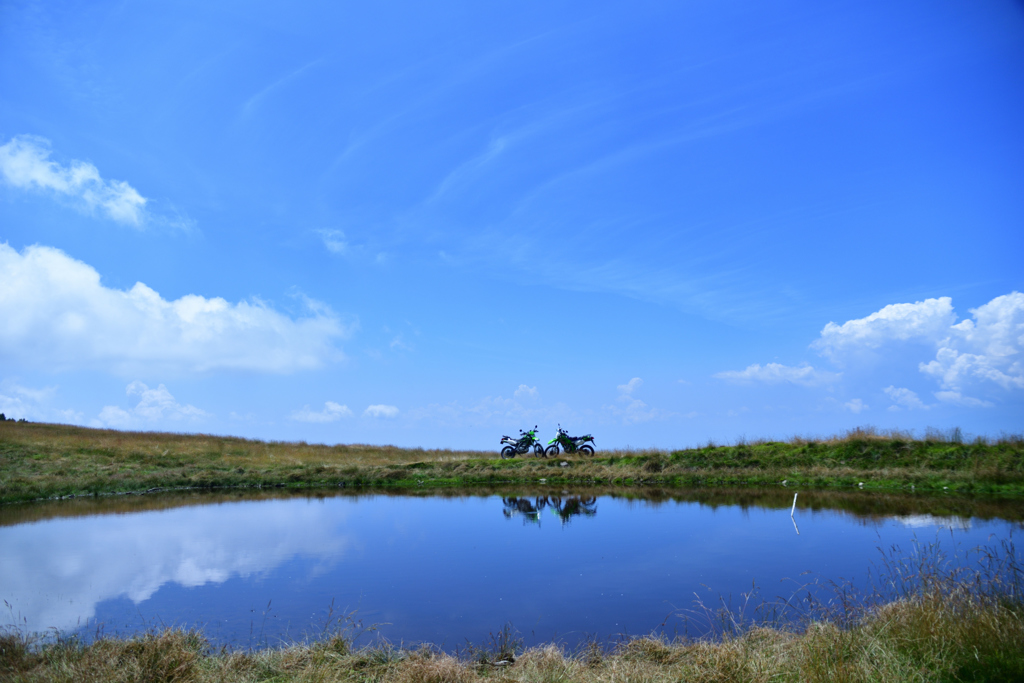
{"x": 53, "y": 573}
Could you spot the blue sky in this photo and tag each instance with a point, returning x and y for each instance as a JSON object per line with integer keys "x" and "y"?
{"x": 430, "y": 224}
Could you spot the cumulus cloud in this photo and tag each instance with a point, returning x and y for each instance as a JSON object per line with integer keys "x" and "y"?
{"x": 986, "y": 349}
{"x": 904, "y": 398}
{"x": 856, "y": 406}
{"x": 332, "y": 412}
{"x": 25, "y": 164}
{"x": 155, "y": 405}
{"x": 380, "y": 411}
{"x": 925, "y": 320}
{"x": 57, "y": 314}
{"x": 776, "y": 373}
{"x": 980, "y": 354}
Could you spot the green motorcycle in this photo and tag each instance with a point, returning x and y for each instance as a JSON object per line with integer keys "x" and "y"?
{"x": 569, "y": 444}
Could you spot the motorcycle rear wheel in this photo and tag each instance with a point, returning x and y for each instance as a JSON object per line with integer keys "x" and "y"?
{"x": 508, "y": 452}
{"x": 587, "y": 449}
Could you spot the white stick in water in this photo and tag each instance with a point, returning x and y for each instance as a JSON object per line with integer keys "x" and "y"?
{"x": 793, "y": 509}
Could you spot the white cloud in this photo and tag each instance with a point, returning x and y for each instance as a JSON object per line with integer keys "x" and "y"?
{"x": 57, "y": 314}
{"x": 925, "y": 320}
{"x": 155, "y": 405}
{"x": 986, "y": 349}
{"x": 524, "y": 407}
{"x": 93, "y": 559}
{"x": 399, "y": 343}
{"x": 956, "y": 398}
{"x": 525, "y": 392}
{"x": 978, "y": 354}
{"x": 634, "y": 410}
{"x": 17, "y": 401}
{"x": 629, "y": 387}
{"x": 856, "y": 406}
{"x": 776, "y": 373}
{"x": 380, "y": 411}
{"x": 334, "y": 240}
{"x": 905, "y": 398}
{"x": 332, "y": 412}
{"x": 25, "y": 164}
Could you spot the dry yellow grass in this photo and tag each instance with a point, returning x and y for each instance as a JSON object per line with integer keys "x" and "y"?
{"x": 940, "y": 636}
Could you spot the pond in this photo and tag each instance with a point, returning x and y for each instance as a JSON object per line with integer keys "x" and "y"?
{"x": 451, "y": 567}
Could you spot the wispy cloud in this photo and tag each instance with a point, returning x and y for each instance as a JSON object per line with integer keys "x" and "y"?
{"x": 776, "y": 373}
{"x": 25, "y": 164}
{"x": 469, "y": 169}
{"x": 525, "y": 392}
{"x": 958, "y": 399}
{"x": 856, "y": 406}
{"x": 525, "y": 406}
{"x": 629, "y": 387}
{"x": 381, "y": 411}
{"x": 902, "y": 397}
{"x": 630, "y": 408}
{"x": 18, "y": 401}
{"x": 334, "y": 240}
{"x": 253, "y": 102}
{"x": 332, "y": 412}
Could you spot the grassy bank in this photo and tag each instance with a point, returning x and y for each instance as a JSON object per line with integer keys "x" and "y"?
{"x": 946, "y": 630}
{"x": 39, "y": 461}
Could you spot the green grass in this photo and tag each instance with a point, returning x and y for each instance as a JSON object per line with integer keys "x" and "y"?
{"x": 39, "y": 461}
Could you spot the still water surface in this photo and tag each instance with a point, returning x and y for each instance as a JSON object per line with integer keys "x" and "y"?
{"x": 256, "y": 570}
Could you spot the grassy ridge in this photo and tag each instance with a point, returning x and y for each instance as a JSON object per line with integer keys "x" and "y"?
{"x": 46, "y": 461}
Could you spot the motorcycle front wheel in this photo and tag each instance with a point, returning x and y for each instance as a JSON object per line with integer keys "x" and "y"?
{"x": 551, "y": 451}
{"x": 538, "y": 451}
{"x": 508, "y": 452}
{"x": 587, "y": 449}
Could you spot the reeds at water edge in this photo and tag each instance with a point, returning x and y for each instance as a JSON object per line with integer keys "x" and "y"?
{"x": 928, "y": 614}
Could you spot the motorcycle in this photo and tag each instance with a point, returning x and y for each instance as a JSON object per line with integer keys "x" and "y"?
{"x": 569, "y": 444}
{"x": 522, "y": 445}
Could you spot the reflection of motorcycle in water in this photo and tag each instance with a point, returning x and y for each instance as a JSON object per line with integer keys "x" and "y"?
{"x": 527, "y": 507}
{"x": 565, "y": 508}
{"x": 573, "y": 506}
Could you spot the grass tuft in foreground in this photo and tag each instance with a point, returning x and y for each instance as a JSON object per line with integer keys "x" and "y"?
{"x": 943, "y": 623}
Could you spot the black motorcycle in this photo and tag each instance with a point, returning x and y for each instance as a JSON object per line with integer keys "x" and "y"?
{"x": 522, "y": 445}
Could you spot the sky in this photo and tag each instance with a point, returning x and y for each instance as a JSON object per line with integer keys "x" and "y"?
{"x": 432, "y": 224}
